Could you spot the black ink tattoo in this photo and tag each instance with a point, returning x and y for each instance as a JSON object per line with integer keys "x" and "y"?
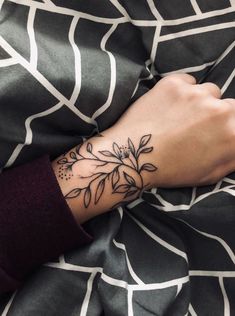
{"x": 119, "y": 168}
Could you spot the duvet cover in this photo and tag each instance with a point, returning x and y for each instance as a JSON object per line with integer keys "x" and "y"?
{"x": 71, "y": 68}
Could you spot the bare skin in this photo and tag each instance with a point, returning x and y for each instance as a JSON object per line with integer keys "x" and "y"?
{"x": 178, "y": 134}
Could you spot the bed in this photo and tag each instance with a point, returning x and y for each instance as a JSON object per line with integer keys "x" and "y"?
{"x": 71, "y": 68}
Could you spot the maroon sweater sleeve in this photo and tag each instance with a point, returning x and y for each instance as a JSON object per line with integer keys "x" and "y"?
{"x": 36, "y": 224}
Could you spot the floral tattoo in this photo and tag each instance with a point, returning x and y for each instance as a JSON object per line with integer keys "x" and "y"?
{"x": 118, "y": 171}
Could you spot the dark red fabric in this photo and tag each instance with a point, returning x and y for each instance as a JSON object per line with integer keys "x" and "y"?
{"x": 7, "y": 283}
{"x": 36, "y": 223}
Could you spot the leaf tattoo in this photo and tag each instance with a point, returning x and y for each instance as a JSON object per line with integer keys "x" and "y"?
{"x": 115, "y": 177}
{"x": 131, "y": 192}
{"x": 123, "y": 188}
{"x": 146, "y": 150}
{"x": 117, "y": 170}
{"x": 107, "y": 153}
{"x": 131, "y": 146}
{"x": 148, "y": 167}
{"x": 89, "y": 147}
{"x": 129, "y": 179}
{"x": 78, "y": 148}
{"x": 73, "y": 155}
{"x": 87, "y": 197}
{"x": 100, "y": 190}
{"x": 73, "y": 194}
{"x": 62, "y": 161}
{"x": 117, "y": 151}
{"x": 144, "y": 140}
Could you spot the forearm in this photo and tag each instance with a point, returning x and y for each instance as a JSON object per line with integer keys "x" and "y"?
{"x": 104, "y": 172}
{"x": 161, "y": 140}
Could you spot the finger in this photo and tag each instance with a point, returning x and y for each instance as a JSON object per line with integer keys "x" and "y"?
{"x": 212, "y": 89}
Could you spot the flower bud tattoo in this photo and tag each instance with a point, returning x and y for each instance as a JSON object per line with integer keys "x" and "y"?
{"x": 117, "y": 171}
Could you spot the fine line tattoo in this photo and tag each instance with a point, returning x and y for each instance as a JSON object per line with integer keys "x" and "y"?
{"x": 118, "y": 171}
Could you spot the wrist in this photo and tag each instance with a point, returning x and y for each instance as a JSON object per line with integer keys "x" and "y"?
{"x": 104, "y": 172}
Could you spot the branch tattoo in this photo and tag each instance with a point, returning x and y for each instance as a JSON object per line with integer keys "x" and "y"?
{"x": 118, "y": 171}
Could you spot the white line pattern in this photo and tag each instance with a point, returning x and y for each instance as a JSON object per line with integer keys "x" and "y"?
{"x": 226, "y": 301}
{"x": 132, "y": 272}
{"x": 196, "y": 7}
{"x": 159, "y": 240}
{"x": 107, "y": 104}
{"x": 125, "y": 275}
{"x": 33, "y": 45}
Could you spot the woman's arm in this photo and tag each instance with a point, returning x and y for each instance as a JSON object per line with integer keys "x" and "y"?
{"x": 178, "y": 134}
{"x": 36, "y": 224}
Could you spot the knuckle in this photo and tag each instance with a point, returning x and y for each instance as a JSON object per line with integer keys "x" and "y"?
{"x": 213, "y": 86}
{"x": 216, "y": 87}
{"x": 177, "y": 82}
{"x": 170, "y": 83}
{"x": 196, "y": 92}
{"x": 171, "y": 80}
{"x": 192, "y": 78}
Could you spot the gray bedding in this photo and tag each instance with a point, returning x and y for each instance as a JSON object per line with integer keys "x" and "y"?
{"x": 70, "y": 68}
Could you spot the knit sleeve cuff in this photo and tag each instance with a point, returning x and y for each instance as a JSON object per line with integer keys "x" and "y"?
{"x": 36, "y": 224}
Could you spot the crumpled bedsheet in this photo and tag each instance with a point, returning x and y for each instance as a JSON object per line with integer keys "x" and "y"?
{"x": 71, "y": 68}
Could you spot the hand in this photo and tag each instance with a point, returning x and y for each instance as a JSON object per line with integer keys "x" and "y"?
{"x": 177, "y": 134}
{"x": 193, "y": 132}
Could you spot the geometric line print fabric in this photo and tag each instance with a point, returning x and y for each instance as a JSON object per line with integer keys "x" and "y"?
{"x": 70, "y": 68}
